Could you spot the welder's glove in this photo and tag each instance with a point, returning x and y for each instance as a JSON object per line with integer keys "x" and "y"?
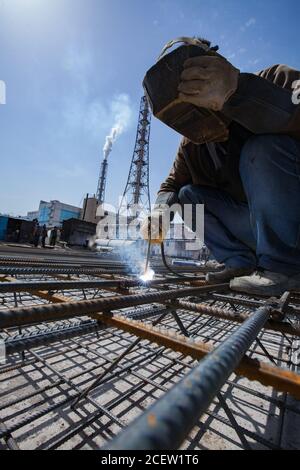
{"x": 208, "y": 82}
{"x": 155, "y": 227}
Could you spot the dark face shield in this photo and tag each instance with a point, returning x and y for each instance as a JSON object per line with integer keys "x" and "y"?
{"x": 161, "y": 82}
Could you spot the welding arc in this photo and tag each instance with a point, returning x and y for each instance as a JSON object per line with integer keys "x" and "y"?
{"x": 163, "y": 256}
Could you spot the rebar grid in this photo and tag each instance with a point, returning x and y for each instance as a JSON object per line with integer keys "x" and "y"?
{"x": 39, "y": 383}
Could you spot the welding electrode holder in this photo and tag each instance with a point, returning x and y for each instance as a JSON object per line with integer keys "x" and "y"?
{"x": 161, "y": 234}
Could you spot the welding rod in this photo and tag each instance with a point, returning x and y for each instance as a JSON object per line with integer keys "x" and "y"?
{"x": 168, "y": 422}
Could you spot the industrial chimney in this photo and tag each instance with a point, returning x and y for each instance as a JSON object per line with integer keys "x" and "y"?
{"x": 102, "y": 181}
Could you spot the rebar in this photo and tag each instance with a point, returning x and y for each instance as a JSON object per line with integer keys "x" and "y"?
{"x": 50, "y": 312}
{"x": 282, "y": 326}
{"x": 253, "y": 369}
{"x": 194, "y": 320}
{"x": 63, "y": 332}
{"x": 31, "y": 341}
{"x": 21, "y": 286}
{"x": 167, "y": 423}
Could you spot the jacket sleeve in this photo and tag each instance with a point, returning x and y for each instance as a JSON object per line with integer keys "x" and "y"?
{"x": 264, "y": 103}
{"x": 178, "y": 177}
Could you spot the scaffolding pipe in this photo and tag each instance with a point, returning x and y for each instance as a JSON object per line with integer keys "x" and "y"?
{"x": 169, "y": 421}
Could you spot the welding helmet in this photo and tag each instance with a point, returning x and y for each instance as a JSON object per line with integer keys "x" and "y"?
{"x": 161, "y": 82}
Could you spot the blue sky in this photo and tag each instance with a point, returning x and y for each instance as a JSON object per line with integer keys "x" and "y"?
{"x": 68, "y": 64}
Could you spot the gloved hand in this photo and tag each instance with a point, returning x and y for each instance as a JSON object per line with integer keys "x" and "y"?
{"x": 155, "y": 227}
{"x": 208, "y": 82}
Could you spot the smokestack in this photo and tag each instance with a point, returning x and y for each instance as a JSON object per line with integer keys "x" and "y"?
{"x": 122, "y": 116}
{"x": 104, "y": 165}
{"x": 102, "y": 181}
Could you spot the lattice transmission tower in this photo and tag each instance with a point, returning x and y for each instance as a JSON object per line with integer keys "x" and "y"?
{"x": 137, "y": 186}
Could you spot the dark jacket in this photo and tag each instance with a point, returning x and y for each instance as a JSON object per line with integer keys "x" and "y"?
{"x": 261, "y": 105}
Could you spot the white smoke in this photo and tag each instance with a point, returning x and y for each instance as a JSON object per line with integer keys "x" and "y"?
{"x": 109, "y": 140}
{"x": 121, "y": 110}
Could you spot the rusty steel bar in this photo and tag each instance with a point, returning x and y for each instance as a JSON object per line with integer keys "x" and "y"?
{"x": 53, "y": 261}
{"x": 41, "y": 270}
{"x": 238, "y": 317}
{"x": 39, "y": 263}
{"x": 255, "y": 303}
{"x": 68, "y": 268}
{"x": 13, "y": 270}
{"x": 280, "y": 379}
{"x": 239, "y": 300}
{"x": 58, "y": 333}
{"x": 25, "y": 286}
{"x": 50, "y": 312}
{"x": 168, "y": 422}
{"x": 44, "y": 338}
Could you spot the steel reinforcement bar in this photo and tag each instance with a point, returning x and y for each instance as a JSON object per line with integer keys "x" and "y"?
{"x": 168, "y": 422}
{"x": 238, "y": 317}
{"x": 25, "y": 286}
{"x": 44, "y": 338}
{"x": 101, "y": 269}
{"x": 280, "y": 379}
{"x": 50, "y": 312}
{"x": 33, "y": 340}
{"x": 40, "y": 270}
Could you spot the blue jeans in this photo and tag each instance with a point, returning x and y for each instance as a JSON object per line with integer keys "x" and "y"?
{"x": 265, "y": 232}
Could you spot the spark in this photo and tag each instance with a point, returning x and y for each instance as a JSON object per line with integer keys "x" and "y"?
{"x": 148, "y": 275}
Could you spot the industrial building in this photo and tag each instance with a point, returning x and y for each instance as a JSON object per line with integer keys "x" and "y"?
{"x": 15, "y": 229}
{"x": 53, "y": 213}
{"x": 78, "y": 232}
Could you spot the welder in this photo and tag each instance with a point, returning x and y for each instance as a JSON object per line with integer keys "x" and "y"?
{"x": 245, "y": 170}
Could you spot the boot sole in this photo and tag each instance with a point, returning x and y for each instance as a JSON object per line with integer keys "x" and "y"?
{"x": 274, "y": 291}
{"x": 217, "y": 280}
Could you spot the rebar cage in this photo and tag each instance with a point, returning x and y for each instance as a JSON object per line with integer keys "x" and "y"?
{"x": 90, "y": 351}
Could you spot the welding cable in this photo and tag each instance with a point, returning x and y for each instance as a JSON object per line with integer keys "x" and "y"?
{"x": 163, "y": 256}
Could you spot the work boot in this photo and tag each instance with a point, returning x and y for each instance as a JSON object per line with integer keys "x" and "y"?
{"x": 227, "y": 274}
{"x": 266, "y": 283}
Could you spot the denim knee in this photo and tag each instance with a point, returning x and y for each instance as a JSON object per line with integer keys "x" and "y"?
{"x": 186, "y": 193}
{"x": 262, "y": 152}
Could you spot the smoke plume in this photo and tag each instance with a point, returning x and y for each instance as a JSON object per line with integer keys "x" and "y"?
{"x": 122, "y": 113}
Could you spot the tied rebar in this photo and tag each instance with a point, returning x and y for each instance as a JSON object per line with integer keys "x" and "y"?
{"x": 168, "y": 422}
